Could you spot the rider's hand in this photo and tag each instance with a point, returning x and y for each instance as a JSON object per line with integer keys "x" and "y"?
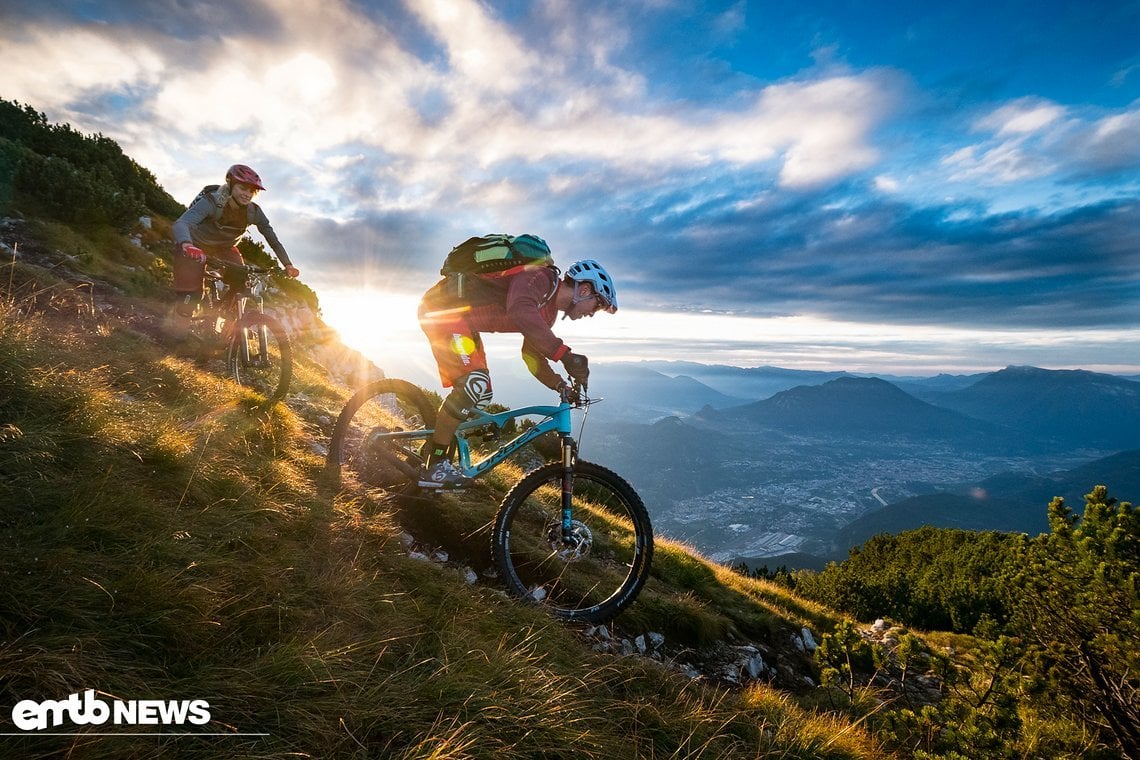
{"x": 193, "y": 252}
{"x": 292, "y": 271}
{"x": 570, "y": 393}
{"x": 577, "y": 366}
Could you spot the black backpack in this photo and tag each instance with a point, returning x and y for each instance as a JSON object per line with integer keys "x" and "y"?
{"x": 207, "y": 190}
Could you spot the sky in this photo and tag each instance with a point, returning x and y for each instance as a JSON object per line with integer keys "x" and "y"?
{"x": 878, "y": 187}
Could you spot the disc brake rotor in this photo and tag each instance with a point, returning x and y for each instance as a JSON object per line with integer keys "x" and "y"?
{"x": 576, "y": 545}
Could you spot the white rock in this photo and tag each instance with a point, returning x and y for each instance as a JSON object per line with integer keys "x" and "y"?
{"x": 755, "y": 667}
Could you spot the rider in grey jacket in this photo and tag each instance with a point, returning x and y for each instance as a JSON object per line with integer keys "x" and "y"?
{"x": 212, "y": 226}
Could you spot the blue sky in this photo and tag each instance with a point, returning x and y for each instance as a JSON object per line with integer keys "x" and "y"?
{"x": 878, "y": 187}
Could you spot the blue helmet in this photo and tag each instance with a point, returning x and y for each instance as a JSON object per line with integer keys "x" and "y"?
{"x": 594, "y": 273}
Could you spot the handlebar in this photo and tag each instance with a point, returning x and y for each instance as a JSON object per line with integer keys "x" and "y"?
{"x": 575, "y": 394}
{"x": 215, "y": 262}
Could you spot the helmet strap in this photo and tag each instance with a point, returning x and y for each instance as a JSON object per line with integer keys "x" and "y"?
{"x": 577, "y": 299}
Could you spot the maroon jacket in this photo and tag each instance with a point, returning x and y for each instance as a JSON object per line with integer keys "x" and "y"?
{"x": 519, "y": 303}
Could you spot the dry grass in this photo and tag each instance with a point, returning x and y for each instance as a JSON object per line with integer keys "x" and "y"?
{"x": 166, "y": 539}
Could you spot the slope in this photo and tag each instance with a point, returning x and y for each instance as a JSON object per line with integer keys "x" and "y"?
{"x": 168, "y": 539}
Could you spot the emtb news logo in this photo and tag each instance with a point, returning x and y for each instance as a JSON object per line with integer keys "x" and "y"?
{"x": 89, "y": 710}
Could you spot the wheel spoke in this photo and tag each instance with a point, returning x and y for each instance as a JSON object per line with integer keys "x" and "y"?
{"x": 260, "y": 356}
{"x": 593, "y": 571}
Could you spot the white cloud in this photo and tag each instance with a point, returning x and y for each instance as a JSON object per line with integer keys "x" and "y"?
{"x": 50, "y": 67}
{"x": 1006, "y": 162}
{"x": 1112, "y": 142}
{"x": 481, "y": 51}
{"x": 886, "y": 184}
{"x": 332, "y": 77}
{"x": 1032, "y": 139}
{"x": 1020, "y": 117}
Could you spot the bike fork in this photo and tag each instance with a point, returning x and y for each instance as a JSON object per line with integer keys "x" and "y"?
{"x": 569, "y": 456}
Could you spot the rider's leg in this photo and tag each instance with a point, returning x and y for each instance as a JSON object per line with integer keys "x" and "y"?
{"x": 471, "y": 391}
{"x": 187, "y": 294}
{"x": 439, "y": 447}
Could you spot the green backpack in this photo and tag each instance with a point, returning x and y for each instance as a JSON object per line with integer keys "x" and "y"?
{"x": 494, "y": 256}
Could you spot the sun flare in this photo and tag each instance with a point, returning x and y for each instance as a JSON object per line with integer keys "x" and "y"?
{"x": 377, "y": 323}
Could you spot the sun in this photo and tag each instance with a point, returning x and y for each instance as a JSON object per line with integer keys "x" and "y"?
{"x": 380, "y": 324}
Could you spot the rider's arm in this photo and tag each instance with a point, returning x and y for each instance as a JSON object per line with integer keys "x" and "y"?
{"x": 258, "y": 219}
{"x": 540, "y": 368}
{"x": 192, "y": 217}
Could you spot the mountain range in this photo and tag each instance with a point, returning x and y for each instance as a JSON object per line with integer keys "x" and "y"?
{"x": 827, "y": 460}
{"x": 1006, "y": 502}
{"x": 856, "y": 406}
{"x": 1030, "y": 406}
{"x": 1070, "y": 407}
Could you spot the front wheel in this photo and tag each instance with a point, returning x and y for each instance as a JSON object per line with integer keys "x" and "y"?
{"x": 259, "y": 356}
{"x": 589, "y": 573}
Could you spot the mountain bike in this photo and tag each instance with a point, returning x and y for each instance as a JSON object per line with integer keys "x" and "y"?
{"x": 571, "y": 535}
{"x": 258, "y": 353}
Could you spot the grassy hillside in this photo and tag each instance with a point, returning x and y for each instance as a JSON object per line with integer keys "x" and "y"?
{"x": 166, "y": 538}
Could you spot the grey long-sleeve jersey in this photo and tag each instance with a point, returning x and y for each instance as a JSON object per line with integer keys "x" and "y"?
{"x": 208, "y": 223}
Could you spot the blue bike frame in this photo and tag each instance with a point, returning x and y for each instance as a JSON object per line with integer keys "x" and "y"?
{"x": 556, "y": 419}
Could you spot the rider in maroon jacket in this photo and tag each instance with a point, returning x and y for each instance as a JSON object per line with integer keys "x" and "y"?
{"x": 525, "y": 302}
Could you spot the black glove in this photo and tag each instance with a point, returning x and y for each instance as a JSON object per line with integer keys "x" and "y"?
{"x": 577, "y": 366}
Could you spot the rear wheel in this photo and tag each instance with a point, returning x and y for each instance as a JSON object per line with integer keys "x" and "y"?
{"x": 260, "y": 357}
{"x": 593, "y": 572}
{"x": 361, "y": 445}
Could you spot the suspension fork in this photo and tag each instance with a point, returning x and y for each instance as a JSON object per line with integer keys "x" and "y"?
{"x": 569, "y": 457}
{"x": 243, "y": 340}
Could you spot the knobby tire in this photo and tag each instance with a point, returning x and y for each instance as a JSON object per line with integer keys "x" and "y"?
{"x": 532, "y": 561}
{"x": 268, "y": 367}
{"x": 386, "y": 405}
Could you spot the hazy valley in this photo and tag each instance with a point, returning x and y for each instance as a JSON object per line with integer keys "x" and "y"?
{"x": 819, "y": 462}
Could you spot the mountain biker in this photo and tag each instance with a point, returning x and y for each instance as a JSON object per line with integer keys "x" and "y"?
{"x": 525, "y": 302}
{"x": 212, "y": 226}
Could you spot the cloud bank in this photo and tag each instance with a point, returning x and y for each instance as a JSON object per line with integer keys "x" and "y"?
{"x": 658, "y": 139}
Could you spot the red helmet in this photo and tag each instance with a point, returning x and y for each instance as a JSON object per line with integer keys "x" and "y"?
{"x": 243, "y": 174}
